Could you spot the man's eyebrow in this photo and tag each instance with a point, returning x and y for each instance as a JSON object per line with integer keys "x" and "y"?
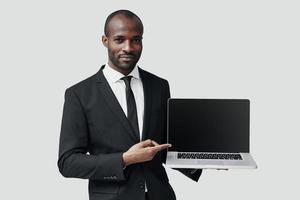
{"x": 118, "y": 36}
{"x": 121, "y": 36}
{"x": 138, "y": 36}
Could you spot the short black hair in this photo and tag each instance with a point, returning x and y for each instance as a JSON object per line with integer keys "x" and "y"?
{"x": 126, "y": 13}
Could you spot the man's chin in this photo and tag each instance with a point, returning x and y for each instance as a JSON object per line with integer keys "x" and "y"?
{"x": 127, "y": 66}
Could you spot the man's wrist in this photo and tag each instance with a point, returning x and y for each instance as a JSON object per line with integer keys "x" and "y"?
{"x": 126, "y": 159}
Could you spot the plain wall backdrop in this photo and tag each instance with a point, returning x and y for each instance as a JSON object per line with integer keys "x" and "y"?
{"x": 206, "y": 49}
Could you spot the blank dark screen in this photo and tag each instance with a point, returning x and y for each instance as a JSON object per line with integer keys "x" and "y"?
{"x": 209, "y": 125}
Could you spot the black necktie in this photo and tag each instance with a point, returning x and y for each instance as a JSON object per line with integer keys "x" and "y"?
{"x": 131, "y": 106}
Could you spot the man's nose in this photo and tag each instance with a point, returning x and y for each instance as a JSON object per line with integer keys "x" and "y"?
{"x": 127, "y": 46}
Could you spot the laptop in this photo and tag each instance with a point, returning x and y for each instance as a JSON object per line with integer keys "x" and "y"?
{"x": 209, "y": 134}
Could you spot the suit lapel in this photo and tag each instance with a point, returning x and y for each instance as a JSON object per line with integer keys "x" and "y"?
{"x": 113, "y": 103}
{"x": 147, "y": 102}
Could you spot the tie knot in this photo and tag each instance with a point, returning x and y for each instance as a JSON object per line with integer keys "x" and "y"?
{"x": 127, "y": 80}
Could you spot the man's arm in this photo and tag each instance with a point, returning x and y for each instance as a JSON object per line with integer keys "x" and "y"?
{"x": 73, "y": 158}
{"x": 193, "y": 174}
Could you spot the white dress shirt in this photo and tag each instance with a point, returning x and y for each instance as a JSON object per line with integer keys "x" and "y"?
{"x": 118, "y": 87}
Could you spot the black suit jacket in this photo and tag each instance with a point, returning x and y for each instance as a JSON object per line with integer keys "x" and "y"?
{"x": 95, "y": 132}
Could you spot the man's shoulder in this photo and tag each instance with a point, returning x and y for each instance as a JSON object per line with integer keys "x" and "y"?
{"x": 87, "y": 83}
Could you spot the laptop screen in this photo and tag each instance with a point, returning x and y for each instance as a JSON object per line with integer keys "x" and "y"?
{"x": 208, "y": 125}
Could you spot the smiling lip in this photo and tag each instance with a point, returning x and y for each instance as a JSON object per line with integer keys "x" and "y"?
{"x": 126, "y": 57}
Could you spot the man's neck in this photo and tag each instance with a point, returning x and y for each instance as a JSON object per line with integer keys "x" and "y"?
{"x": 125, "y": 72}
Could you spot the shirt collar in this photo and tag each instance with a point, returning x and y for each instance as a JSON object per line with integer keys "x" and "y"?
{"x": 113, "y": 75}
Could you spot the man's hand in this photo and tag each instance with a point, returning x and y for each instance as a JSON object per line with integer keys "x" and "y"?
{"x": 143, "y": 151}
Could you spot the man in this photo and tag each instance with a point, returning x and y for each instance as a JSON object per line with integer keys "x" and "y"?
{"x": 114, "y": 122}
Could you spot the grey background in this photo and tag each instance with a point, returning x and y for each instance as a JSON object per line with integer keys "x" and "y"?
{"x": 206, "y": 49}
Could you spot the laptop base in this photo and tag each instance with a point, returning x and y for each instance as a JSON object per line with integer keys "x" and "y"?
{"x": 173, "y": 161}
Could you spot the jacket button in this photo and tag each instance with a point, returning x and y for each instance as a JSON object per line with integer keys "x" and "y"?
{"x": 142, "y": 185}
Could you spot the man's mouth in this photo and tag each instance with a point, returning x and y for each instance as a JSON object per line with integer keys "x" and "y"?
{"x": 126, "y": 57}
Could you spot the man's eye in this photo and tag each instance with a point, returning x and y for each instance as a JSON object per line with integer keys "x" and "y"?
{"x": 118, "y": 40}
{"x": 137, "y": 40}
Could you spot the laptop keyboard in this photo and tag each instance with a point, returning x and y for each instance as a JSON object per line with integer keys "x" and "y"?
{"x": 222, "y": 156}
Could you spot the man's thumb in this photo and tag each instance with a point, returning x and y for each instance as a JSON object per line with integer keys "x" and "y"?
{"x": 146, "y": 143}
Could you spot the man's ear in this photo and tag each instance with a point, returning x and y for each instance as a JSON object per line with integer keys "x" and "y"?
{"x": 105, "y": 41}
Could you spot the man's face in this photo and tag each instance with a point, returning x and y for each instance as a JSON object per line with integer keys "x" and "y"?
{"x": 124, "y": 43}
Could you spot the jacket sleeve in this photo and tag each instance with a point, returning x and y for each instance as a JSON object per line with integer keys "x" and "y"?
{"x": 74, "y": 160}
{"x": 193, "y": 174}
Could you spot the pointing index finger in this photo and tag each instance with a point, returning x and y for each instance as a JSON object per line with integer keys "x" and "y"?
{"x": 161, "y": 147}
